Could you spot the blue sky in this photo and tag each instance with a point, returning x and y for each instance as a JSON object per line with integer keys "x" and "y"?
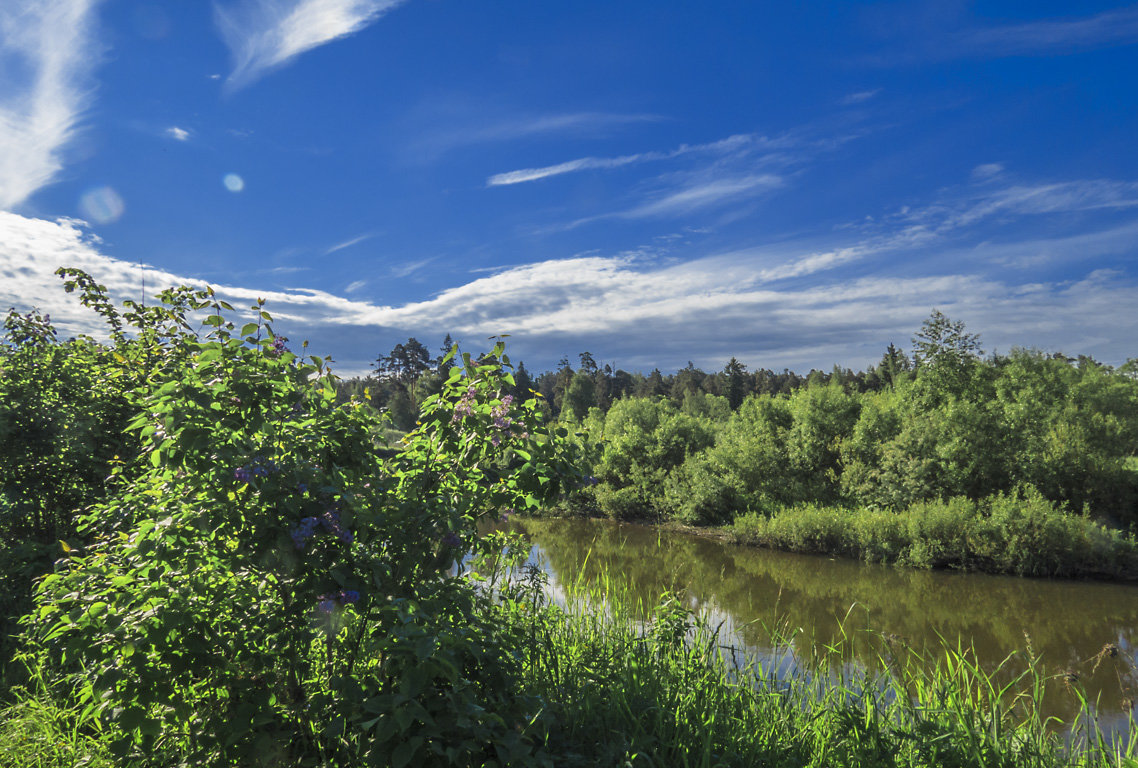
{"x": 797, "y": 185}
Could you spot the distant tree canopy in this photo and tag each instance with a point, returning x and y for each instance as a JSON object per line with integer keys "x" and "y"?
{"x": 880, "y": 437}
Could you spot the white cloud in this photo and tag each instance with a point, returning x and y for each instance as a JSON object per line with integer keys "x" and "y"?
{"x": 859, "y": 97}
{"x": 1082, "y": 195}
{"x": 792, "y": 304}
{"x": 263, "y": 35}
{"x": 438, "y": 128}
{"x": 176, "y": 133}
{"x": 54, "y": 43}
{"x": 1115, "y": 27}
{"x": 349, "y": 243}
{"x": 705, "y": 194}
{"x": 593, "y": 163}
{"x": 987, "y": 171}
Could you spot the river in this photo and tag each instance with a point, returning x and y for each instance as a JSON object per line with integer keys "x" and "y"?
{"x": 822, "y": 600}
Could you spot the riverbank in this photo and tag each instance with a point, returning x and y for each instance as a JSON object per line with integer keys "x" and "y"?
{"x": 1021, "y": 534}
{"x": 655, "y": 684}
{"x": 658, "y": 685}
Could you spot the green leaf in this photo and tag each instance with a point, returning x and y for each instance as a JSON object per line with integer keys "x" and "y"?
{"x": 403, "y": 753}
{"x": 249, "y": 329}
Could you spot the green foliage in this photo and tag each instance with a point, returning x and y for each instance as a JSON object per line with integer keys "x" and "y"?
{"x": 643, "y": 441}
{"x": 264, "y": 588}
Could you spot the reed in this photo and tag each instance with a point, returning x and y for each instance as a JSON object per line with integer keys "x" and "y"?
{"x": 626, "y": 683}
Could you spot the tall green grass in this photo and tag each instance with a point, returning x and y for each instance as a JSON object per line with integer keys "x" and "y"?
{"x": 670, "y": 691}
{"x": 1020, "y": 533}
{"x": 41, "y": 728}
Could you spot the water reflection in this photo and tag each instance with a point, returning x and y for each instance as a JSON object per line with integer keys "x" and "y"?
{"x": 864, "y": 607}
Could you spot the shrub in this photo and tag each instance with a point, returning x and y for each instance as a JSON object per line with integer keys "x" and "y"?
{"x": 269, "y": 591}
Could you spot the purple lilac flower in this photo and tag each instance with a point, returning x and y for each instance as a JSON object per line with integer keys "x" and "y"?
{"x": 242, "y": 475}
{"x": 495, "y": 440}
{"x": 279, "y": 344}
{"x": 331, "y": 523}
{"x": 452, "y": 540}
{"x": 326, "y": 603}
{"x": 303, "y": 532}
{"x": 508, "y": 400}
{"x": 349, "y": 596}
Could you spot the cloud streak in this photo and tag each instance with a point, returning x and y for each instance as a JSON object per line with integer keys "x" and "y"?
{"x": 263, "y": 36}
{"x": 1110, "y": 28}
{"x": 592, "y": 163}
{"x": 54, "y": 44}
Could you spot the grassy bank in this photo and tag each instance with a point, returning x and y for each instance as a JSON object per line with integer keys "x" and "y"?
{"x": 610, "y": 689}
{"x": 670, "y": 692}
{"x": 1022, "y": 534}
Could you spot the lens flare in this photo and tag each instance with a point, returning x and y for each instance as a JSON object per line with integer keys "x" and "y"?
{"x": 101, "y": 205}
{"x": 233, "y": 182}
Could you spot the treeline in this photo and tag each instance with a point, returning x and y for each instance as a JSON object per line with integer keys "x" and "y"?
{"x": 409, "y": 374}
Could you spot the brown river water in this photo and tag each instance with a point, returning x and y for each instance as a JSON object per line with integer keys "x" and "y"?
{"x": 820, "y": 600}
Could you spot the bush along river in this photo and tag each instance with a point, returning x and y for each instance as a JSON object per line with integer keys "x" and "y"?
{"x": 1083, "y": 633}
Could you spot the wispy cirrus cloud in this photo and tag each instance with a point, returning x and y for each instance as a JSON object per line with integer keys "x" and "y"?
{"x": 704, "y": 194}
{"x": 176, "y": 133}
{"x": 731, "y": 143}
{"x": 349, "y": 243}
{"x": 858, "y": 97}
{"x": 47, "y": 52}
{"x": 1018, "y": 200}
{"x": 1045, "y": 36}
{"x": 263, "y": 35}
{"x": 448, "y": 124}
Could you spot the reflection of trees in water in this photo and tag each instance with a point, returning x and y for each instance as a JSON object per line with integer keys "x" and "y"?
{"x": 1068, "y": 622}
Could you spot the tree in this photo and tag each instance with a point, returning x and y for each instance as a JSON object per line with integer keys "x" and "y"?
{"x": 405, "y": 363}
{"x": 580, "y": 396}
{"x": 893, "y": 362}
{"x": 941, "y": 340}
{"x": 945, "y": 356}
{"x": 448, "y": 345}
{"x": 736, "y": 374}
{"x": 588, "y": 364}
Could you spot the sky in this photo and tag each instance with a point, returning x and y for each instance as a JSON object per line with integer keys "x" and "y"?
{"x": 796, "y": 185}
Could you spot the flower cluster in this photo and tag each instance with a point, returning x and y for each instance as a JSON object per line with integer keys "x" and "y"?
{"x": 329, "y": 602}
{"x": 465, "y": 406}
{"x": 452, "y": 540}
{"x": 503, "y": 423}
{"x": 303, "y": 532}
{"x": 258, "y": 467}
{"x": 279, "y": 347}
{"x": 329, "y": 521}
